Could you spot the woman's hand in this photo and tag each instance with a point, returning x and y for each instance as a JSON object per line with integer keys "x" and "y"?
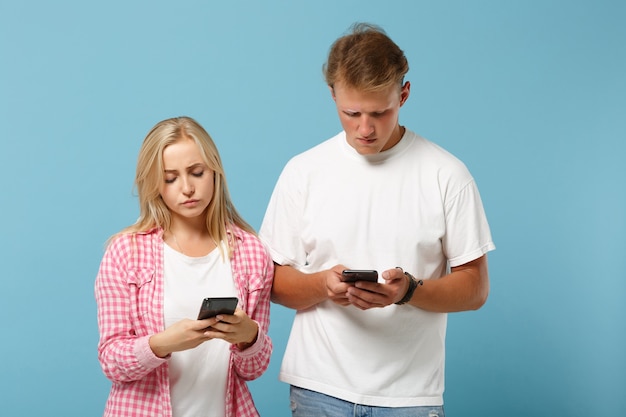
{"x": 237, "y": 329}
{"x": 182, "y": 335}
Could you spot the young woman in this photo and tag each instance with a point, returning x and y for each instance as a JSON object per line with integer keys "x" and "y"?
{"x": 188, "y": 243}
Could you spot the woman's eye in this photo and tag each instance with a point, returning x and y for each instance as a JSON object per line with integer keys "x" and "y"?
{"x": 198, "y": 174}
{"x": 170, "y": 180}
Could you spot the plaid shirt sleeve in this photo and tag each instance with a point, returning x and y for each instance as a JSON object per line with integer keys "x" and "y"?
{"x": 123, "y": 296}
{"x": 253, "y": 270}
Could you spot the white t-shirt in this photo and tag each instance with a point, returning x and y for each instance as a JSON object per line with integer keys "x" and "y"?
{"x": 415, "y": 206}
{"x": 197, "y": 376}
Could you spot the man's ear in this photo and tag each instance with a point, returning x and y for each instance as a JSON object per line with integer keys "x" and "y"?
{"x": 332, "y": 92}
{"x": 405, "y": 92}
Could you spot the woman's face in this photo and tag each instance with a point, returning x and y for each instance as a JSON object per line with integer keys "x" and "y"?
{"x": 188, "y": 186}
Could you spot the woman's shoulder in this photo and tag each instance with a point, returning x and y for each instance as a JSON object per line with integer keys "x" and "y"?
{"x": 126, "y": 240}
{"x": 242, "y": 235}
{"x": 247, "y": 241}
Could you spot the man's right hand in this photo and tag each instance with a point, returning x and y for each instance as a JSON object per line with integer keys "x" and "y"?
{"x": 335, "y": 288}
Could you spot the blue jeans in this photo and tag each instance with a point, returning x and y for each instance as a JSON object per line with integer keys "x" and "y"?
{"x": 305, "y": 403}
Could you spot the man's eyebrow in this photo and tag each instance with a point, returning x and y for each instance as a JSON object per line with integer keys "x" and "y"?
{"x": 381, "y": 111}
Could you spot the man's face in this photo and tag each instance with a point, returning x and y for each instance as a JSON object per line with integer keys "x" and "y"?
{"x": 370, "y": 119}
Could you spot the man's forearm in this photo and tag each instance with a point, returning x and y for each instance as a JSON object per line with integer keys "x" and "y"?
{"x": 297, "y": 290}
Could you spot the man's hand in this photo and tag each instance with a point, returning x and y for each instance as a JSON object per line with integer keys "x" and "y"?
{"x": 366, "y": 295}
{"x": 335, "y": 288}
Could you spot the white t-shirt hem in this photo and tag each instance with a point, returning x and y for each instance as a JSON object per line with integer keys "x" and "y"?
{"x": 371, "y": 400}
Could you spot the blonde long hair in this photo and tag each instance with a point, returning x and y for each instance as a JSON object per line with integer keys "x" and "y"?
{"x": 220, "y": 214}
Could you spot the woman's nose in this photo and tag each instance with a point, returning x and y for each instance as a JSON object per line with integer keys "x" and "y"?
{"x": 188, "y": 188}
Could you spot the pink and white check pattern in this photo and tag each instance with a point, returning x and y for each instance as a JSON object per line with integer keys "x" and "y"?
{"x": 129, "y": 295}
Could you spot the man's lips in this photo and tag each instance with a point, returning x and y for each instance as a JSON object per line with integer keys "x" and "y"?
{"x": 367, "y": 140}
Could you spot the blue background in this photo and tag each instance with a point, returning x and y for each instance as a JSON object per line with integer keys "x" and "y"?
{"x": 531, "y": 95}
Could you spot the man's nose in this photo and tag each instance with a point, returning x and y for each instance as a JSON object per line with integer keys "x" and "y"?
{"x": 366, "y": 127}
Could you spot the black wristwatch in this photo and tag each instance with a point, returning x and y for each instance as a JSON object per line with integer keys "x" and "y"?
{"x": 413, "y": 284}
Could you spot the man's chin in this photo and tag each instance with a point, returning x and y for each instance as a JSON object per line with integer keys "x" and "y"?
{"x": 366, "y": 149}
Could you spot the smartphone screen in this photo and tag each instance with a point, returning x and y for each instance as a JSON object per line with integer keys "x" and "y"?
{"x": 212, "y": 306}
{"x": 353, "y": 275}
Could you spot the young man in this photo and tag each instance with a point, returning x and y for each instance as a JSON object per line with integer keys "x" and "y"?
{"x": 376, "y": 196}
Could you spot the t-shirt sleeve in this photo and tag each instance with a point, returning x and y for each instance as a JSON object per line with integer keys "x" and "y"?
{"x": 280, "y": 229}
{"x": 468, "y": 235}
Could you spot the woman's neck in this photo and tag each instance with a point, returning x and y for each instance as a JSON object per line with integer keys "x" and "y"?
{"x": 189, "y": 239}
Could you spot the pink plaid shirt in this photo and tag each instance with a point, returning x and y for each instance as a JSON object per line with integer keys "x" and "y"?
{"x": 129, "y": 294}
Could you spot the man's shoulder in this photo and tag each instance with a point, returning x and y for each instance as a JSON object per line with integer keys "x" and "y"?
{"x": 317, "y": 154}
{"x": 321, "y": 148}
{"x": 431, "y": 158}
{"x": 429, "y": 149}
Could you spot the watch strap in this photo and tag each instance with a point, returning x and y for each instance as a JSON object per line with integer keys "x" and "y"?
{"x": 413, "y": 284}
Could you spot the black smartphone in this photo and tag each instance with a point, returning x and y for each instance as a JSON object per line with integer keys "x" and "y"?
{"x": 212, "y": 306}
{"x": 353, "y": 275}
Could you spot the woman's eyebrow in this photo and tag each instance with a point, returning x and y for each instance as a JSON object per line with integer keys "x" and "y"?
{"x": 192, "y": 166}
{"x": 197, "y": 164}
